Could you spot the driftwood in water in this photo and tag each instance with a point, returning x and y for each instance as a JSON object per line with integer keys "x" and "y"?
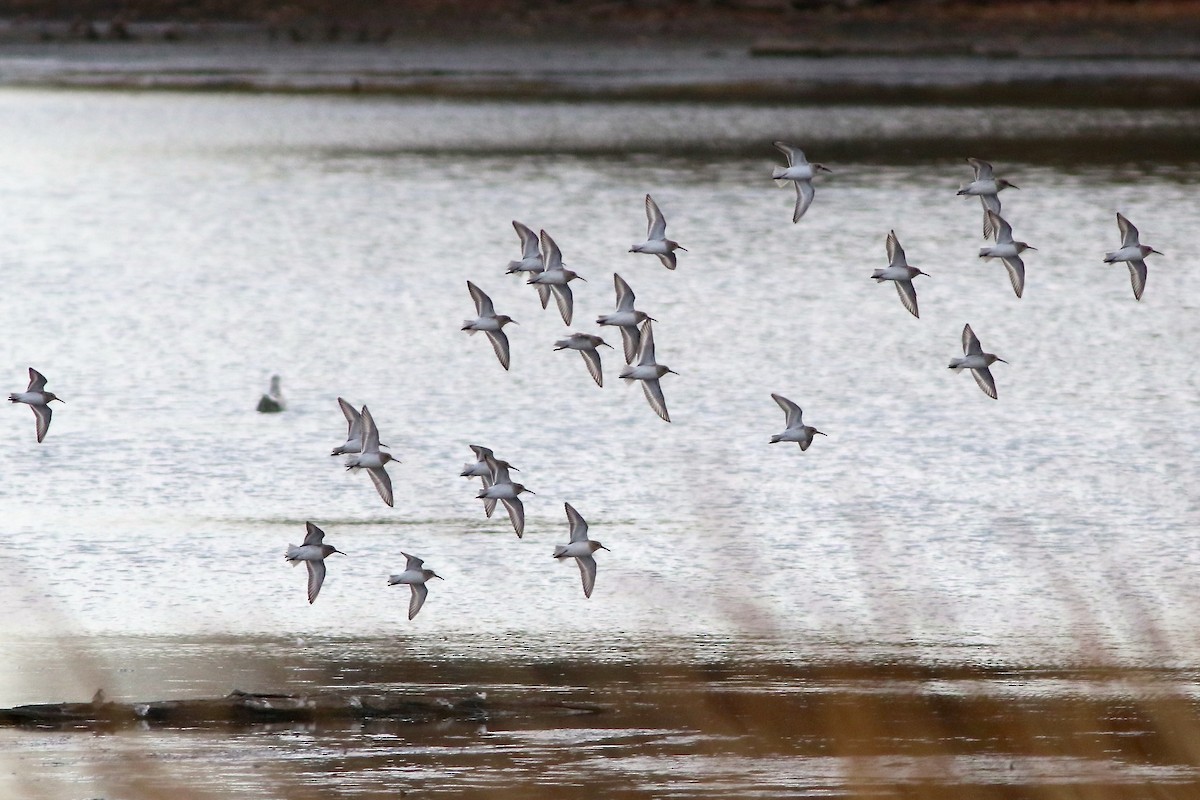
{"x": 244, "y": 708}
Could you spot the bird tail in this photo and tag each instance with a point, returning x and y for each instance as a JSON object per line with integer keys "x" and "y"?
{"x": 292, "y": 554}
{"x": 985, "y": 252}
{"x": 878, "y": 276}
{"x": 775, "y": 439}
{"x": 777, "y": 175}
{"x": 1108, "y": 259}
{"x": 559, "y": 550}
{"x": 466, "y": 326}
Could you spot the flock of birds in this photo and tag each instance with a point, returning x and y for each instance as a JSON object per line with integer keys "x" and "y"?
{"x": 541, "y": 262}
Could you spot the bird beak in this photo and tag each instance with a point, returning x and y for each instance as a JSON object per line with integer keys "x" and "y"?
{"x": 1013, "y": 186}
{"x": 606, "y": 344}
{"x": 1001, "y": 360}
{"x": 531, "y": 491}
{"x": 514, "y": 322}
{"x": 684, "y": 249}
{"x": 581, "y": 278}
{"x": 439, "y": 577}
{"x": 602, "y": 547}
{"x": 1030, "y": 247}
{"x": 673, "y": 372}
{"x": 652, "y": 319}
{"x": 820, "y": 432}
{"x": 339, "y": 552}
{"x": 1152, "y": 250}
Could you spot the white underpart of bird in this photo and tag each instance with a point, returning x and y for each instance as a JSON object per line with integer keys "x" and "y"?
{"x": 531, "y": 258}
{"x": 556, "y": 277}
{"x": 1133, "y": 253}
{"x": 977, "y": 361}
{"x": 415, "y": 576}
{"x": 586, "y": 344}
{"x": 794, "y": 428}
{"x": 498, "y": 486}
{"x": 649, "y": 371}
{"x": 657, "y": 243}
{"x": 800, "y": 172}
{"x": 580, "y": 548}
{"x": 900, "y": 273}
{"x": 372, "y": 459}
{"x": 1007, "y": 250}
{"x": 626, "y": 318}
{"x": 489, "y": 322}
{"x": 313, "y": 553}
{"x": 36, "y": 397}
{"x": 987, "y": 188}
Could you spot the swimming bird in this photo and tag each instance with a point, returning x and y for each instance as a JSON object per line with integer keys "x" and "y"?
{"x": 580, "y": 549}
{"x": 900, "y": 273}
{"x": 531, "y": 258}
{"x": 977, "y": 361}
{"x": 657, "y": 242}
{"x": 312, "y": 553}
{"x": 626, "y": 318}
{"x": 1007, "y": 251}
{"x": 372, "y": 459}
{"x": 37, "y": 398}
{"x": 272, "y": 402}
{"x": 498, "y": 486}
{"x": 801, "y": 172}
{"x": 794, "y": 428}
{"x": 1132, "y": 252}
{"x": 556, "y": 277}
{"x": 489, "y": 322}
{"x": 586, "y": 344}
{"x": 648, "y": 371}
{"x": 987, "y": 188}
{"x": 415, "y": 575}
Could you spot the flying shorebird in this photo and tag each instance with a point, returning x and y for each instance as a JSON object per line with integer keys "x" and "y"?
{"x": 1007, "y": 251}
{"x": 586, "y": 344}
{"x": 657, "y": 242}
{"x": 986, "y": 187}
{"x": 626, "y": 318}
{"x": 900, "y": 273}
{"x": 531, "y": 258}
{"x": 648, "y": 371}
{"x": 794, "y": 428}
{"x": 498, "y": 486}
{"x": 312, "y": 553}
{"x": 977, "y": 361}
{"x": 580, "y": 548}
{"x": 1132, "y": 252}
{"x": 556, "y": 277}
{"x": 372, "y": 459}
{"x": 415, "y": 575}
{"x": 802, "y": 173}
{"x": 489, "y": 322}
{"x": 480, "y": 468}
{"x": 354, "y": 427}
{"x": 37, "y": 398}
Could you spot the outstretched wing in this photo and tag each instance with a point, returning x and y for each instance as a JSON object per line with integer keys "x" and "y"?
{"x": 656, "y": 223}
{"x": 419, "y": 593}
{"x": 587, "y": 570}
{"x": 529, "y": 240}
{"x": 516, "y": 514}
{"x": 551, "y": 255}
{"x": 804, "y": 197}
{"x": 970, "y": 342}
{"x": 500, "y": 344}
{"x": 654, "y": 394}
{"x": 314, "y": 536}
{"x": 316, "y": 576}
{"x": 592, "y": 359}
{"x": 483, "y": 303}
{"x": 895, "y": 251}
{"x": 625, "y": 296}
{"x": 370, "y": 432}
{"x": 908, "y": 296}
{"x": 991, "y": 208}
{"x": 646, "y": 349}
{"x": 1137, "y": 276}
{"x": 383, "y": 483}
{"x": 43, "y": 415}
{"x": 999, "y": 225}
{"x": 983, "y": 376}
{"x": 794, "y": 154}
{"x": 983, "y": 170}
{"x": 632, "y": 340}
{"x": 353, "y": 419}
{"x": 565, "y": 300}
{"x": 579, "y": 526}
{"x": 37, "y": 381}
{"x": 1129, "y": 238}
{"x": 793, "y": 415}
{"x": 1016, "y": 272}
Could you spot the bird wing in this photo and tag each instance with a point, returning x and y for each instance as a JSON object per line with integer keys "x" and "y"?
{"x": 498, "y": 470}
{"x": 419, "y": 593}
{"x": 370, "y": 442}
{"x": 43, "y": 414}
{"x": 805, "y": 443}
{"x": 529, "y": 240}
{"x": 983, "y": 376}
{"x": 794, "y": 415}
{"x": 631, "y": 338}
{"x": 489, "y": 506}
{"x": 412, "y": 563}
{"x": 668, "y": 260}
{"x": 314, "y": 536}
{"x": 625, "y": 296}
{"x": 970, "y": 342}
{"x": 646, "y": 348}
{"x": 1137, "y": 276}
{"x": 804, "y": 197}
{"x": 654, "y": 394}
{"x": 579, "y": 526}
{"x": 587, "y": 571}
{"x": 592, "y": 359}
{"x": 565, "y": 300}
{"x": 1129, "y": 238}
{"x": 999, "y": 225}
{"x": 480, "y": 451}
{"x": 1016, "y": 272}
{"x": 908, "y": 296}
{"x": 37, "y": 381}
{"x": 983, "y": 170}
{"x": 656, "y": 223}
{"x": 353, "y": 419}
{"x": 551, "y": 255}
{"x": 543, "y": 293}
{"x": 500, "y": 344}
{"x": 516, "y": 514}
{"x": 383, "y": 482}
{"x": 794, "y": 154}
{"x": 316, "y": 576}
{"x": 991, "y": 208}
{"x": 895, "y": 251}
{"x": 483, "y": 303}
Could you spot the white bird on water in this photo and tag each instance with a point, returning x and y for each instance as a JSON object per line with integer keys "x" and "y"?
{"x": 531, "y": 258}
{"x": 648, "y": 371}
{"x": 1007, "y": 251}
{"x": 556, "y": 277}
{"x": 987, "y": 188}
{"x": 800, "y": 171}
{"x": 1132, "y": 252}
{"x": 626, "y": 317}
{"x": 977, "y": 361}
{"x": 657, "y": 242}
{"x": 586, "y": 344}
{"x": 498, "y": 486}
{"x": 580, "y": 548}
{"x": 312, "y": 553}
{"x": 488, "y": 321}
{"x": 901, "y": 273}
{"x": 794, "y": 428}
{"x": 415, "y": 575}
{"x": 37, "y": 398}
{"x": 372, "y": 459}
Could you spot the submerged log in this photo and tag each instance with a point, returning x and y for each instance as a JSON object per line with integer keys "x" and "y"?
{"x": 247, "y": 708}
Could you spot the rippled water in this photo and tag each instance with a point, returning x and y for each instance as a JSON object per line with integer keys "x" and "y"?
{"x": 164, "y": 254}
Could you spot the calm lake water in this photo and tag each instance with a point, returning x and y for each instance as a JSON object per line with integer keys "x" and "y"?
{"x": 165, "y": 254}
